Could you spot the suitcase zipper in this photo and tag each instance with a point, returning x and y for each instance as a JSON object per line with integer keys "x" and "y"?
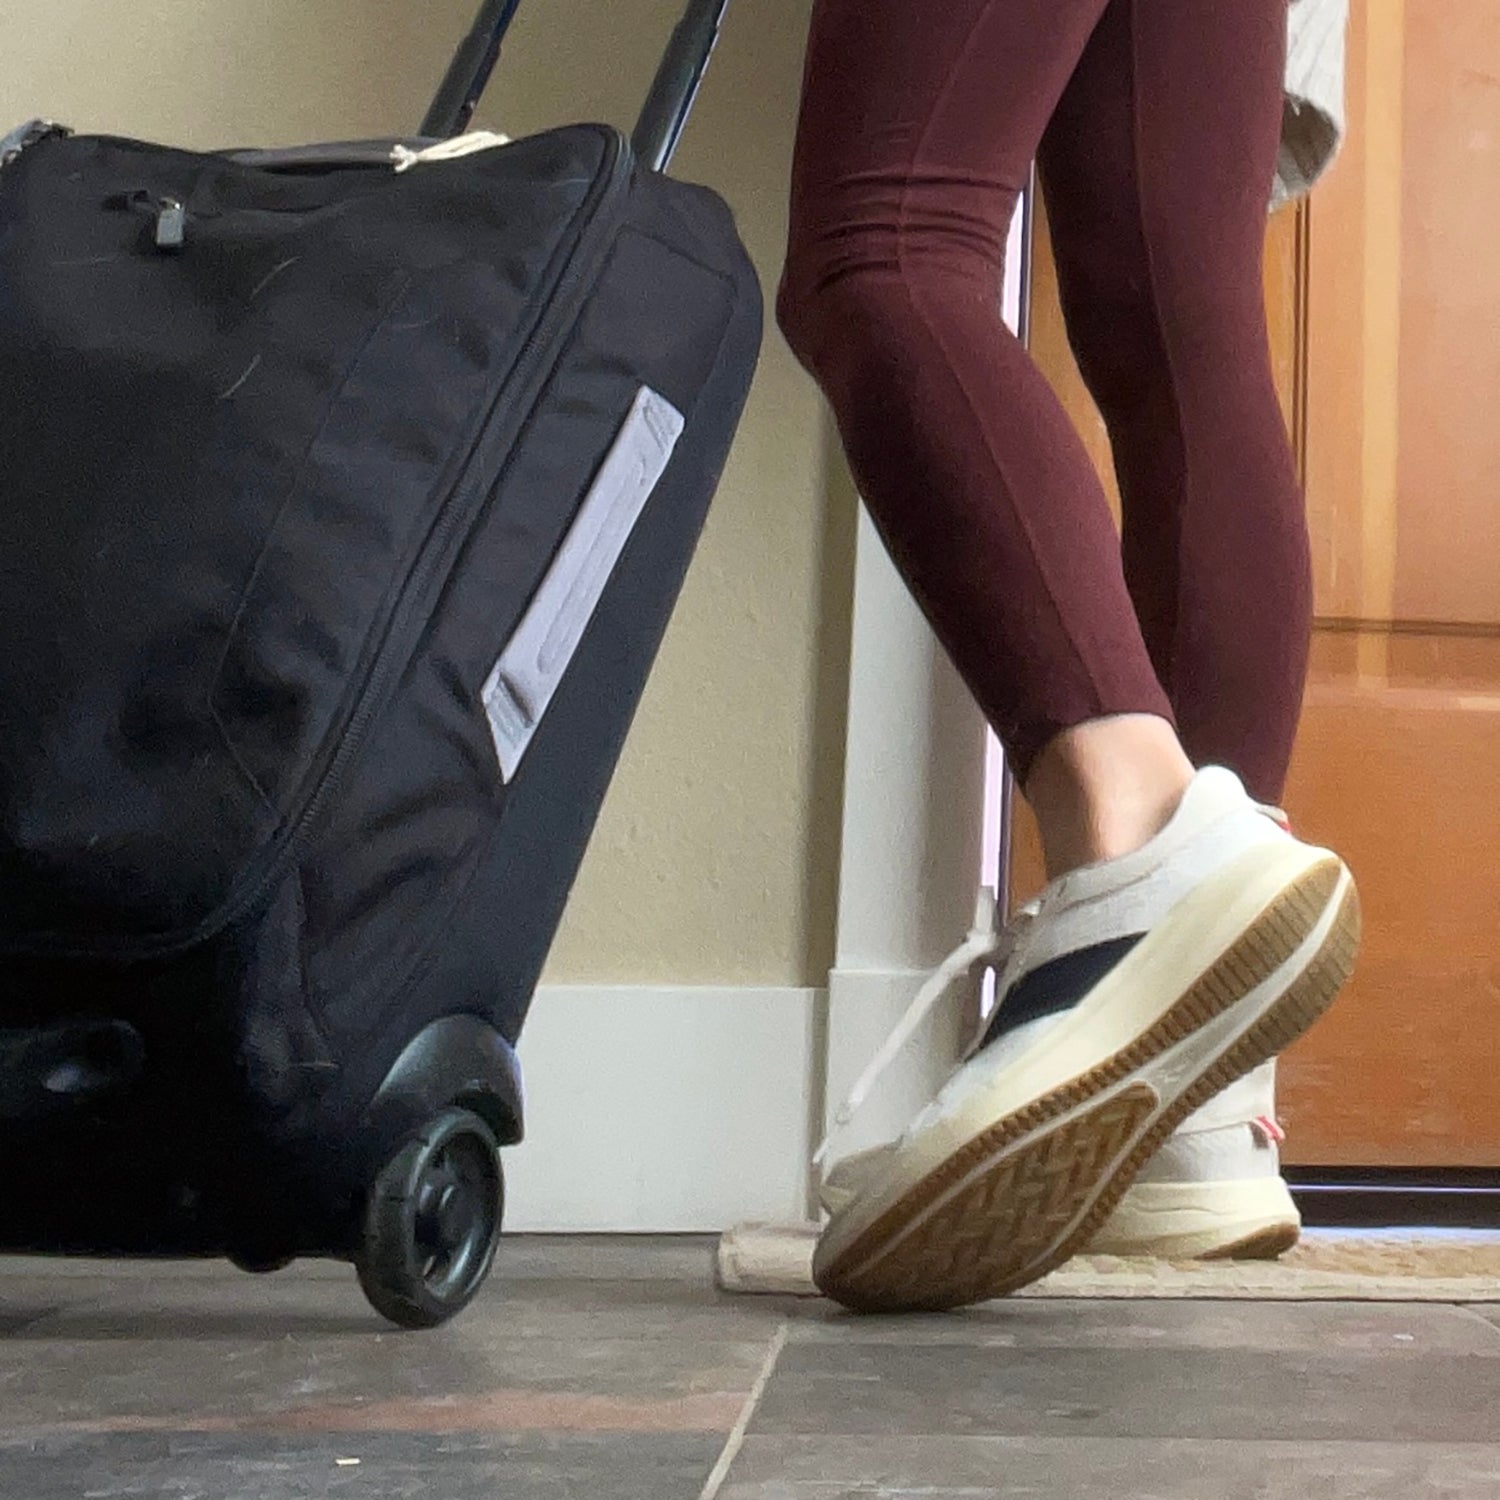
{"x": 560, "y": 309}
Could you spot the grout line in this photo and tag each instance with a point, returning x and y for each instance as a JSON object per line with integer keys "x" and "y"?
{"x": 1470, "y": 1310}
{"x": 736, "y": 1439}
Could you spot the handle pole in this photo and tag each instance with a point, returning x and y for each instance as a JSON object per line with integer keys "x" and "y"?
{"x": 472, "y": 66}
{"x": 675, "y": 88}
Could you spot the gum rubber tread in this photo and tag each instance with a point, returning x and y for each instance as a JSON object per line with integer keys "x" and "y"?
{"x": 1267, "y": 1244}
{"x": 1021, "y": 1213}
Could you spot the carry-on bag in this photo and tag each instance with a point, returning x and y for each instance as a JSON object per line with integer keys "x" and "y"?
{"x": 345, "y": 493}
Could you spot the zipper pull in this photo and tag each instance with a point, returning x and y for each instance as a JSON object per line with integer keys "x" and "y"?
{"x": 404, "y": 158}
{"x": 169, "y": 218}
{"x": 171, "y": 226}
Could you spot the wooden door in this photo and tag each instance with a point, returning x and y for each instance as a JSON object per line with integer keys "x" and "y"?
{"x": 1398, "y": 763}
{"x": 1384, "y": 296}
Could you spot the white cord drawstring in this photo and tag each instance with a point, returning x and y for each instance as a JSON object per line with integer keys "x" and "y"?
{"x": 403, "y": 158}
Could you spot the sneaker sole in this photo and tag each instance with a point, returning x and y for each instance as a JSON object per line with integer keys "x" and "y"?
{"x": 1020, "y": 1178}
{"x": 1252, "y": 1219}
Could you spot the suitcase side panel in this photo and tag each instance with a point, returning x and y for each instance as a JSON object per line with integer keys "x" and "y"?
{"x": 429, "y": 813}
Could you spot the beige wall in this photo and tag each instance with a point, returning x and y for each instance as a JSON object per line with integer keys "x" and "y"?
{"x": 715, "y": 861}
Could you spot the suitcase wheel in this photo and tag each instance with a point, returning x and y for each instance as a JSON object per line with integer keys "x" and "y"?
{"x": 432, "y": 1222}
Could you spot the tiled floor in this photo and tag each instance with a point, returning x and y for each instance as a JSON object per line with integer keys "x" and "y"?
{"x": 611, "y": 1369}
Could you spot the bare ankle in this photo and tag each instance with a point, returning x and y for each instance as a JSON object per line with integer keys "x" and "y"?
{"x": 1104, "y": 788}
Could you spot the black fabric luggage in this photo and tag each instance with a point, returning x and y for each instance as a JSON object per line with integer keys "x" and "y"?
{"x": 345, "y": 492}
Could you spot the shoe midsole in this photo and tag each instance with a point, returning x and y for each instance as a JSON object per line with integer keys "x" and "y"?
{"x": 1157, "y": 1215}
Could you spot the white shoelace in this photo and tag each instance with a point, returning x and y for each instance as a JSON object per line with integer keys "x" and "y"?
{"x": 988, "y": 945}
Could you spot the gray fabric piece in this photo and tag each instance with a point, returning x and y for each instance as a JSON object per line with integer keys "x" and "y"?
{"x": 12, "y": 145}
{"x": 1314, "y": 118}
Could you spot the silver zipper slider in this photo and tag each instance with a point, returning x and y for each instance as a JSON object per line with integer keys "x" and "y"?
{"x": 171, "y": 225}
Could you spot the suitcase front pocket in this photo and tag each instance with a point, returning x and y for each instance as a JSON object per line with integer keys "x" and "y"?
{"x": 523, "y": 681}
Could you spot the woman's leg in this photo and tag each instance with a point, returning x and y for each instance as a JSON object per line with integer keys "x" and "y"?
{"x": 1140, "y": 987}
{"x": 1158, "y": 227}
{"x": 919, "y": 126}
{"x": 1157, "y": 182}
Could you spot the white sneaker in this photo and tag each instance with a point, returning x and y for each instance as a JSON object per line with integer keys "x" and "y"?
{"x": 1130, "y": 994}
{"x": 1213, "y": 1192}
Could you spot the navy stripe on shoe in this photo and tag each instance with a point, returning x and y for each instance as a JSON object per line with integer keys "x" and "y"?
{"x": 1057, "y": 986}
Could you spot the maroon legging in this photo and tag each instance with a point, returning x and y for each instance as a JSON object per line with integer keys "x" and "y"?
{"x": 1156, "y": 124}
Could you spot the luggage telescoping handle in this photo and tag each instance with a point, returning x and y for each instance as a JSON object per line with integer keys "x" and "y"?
{"x": 675, "y": 88}
{"x": 667, "y": 106}
{"x": 464, "y": 84}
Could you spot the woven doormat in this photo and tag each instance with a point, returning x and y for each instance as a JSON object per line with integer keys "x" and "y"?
{"x": 1329, "y": 1265}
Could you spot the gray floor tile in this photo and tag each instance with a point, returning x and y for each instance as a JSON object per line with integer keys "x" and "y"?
{"x": 14, "y": 1320}
{"x": 61, "y": 1268}
{"x": 142, "y": 1467}
{"x": 677, "y": 1310}
{"x": 25, "y": 1301}
{"x": 611, "y": 1367}
{"x": 934, "y": 1389}
{"x": 288, "y": 1306}
{"x": 1280, "y": 1327}
{"x": 322, "y": 1301}
{"x": 228, "y": 1304}
{"x": 930, "y": 1468}
{"x": 460, "y": 1379}
{"x": 1489, "y": 1311}
{"x": 27, "y": 1293}
{"x": 607, "y": 1257}
{"x": 597, "y": 1257}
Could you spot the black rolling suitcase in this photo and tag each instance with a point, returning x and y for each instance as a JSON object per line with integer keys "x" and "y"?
{"x": 345, "y": 493}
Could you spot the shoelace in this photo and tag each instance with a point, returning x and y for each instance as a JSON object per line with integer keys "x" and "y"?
{"x": 988, "y": 945}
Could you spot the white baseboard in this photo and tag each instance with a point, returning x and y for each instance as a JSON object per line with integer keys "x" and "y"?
{"x": 672, "y": 1110}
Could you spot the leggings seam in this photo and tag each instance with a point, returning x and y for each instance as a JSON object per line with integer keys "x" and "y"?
{"x": 920, "y": 144}
{"x": 1019, "y": 511}
{"x": 902, "y": 225}
{"x": 1174, "y": 383}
